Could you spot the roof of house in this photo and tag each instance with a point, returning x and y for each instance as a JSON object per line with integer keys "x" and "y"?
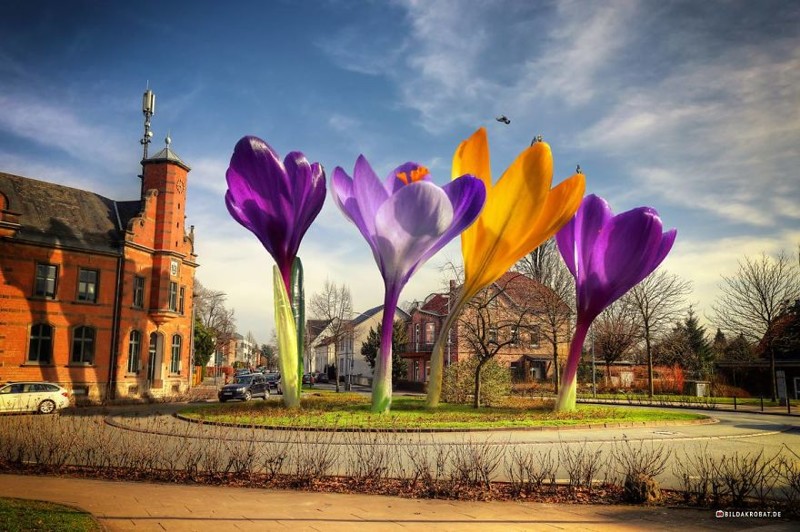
{"x": 519, "y": 288}
{"x": 315, "y": 327}
{"x": 374, "y": 310}
{"x": 436, "y": 304}
{"x": 58, "y": 214}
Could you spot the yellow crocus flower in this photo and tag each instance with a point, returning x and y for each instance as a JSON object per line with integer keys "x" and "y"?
{"x": 520, "y": 213}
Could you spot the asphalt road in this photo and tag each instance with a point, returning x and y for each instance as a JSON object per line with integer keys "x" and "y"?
{"x": 732, "y": 433}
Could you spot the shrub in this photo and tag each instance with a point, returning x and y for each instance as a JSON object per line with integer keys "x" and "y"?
{"x": 459, "y": 382}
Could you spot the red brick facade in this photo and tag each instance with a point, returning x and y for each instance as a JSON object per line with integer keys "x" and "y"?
{"x": 95, "y": 294}
{"x": 529, "y": 358}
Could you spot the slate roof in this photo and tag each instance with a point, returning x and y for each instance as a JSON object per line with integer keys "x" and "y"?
{"x": 56, "y": 214}
{"x": 167, "y": 154}
{"x": 364, "y": 316}
{"x": 315, "y": 327}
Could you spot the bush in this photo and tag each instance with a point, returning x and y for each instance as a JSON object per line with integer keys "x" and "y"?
{"x": 459, "y": 382}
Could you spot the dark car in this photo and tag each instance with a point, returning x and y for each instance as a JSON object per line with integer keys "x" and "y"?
{"x": 308, "y": 378}
{"x": 321, "y": 377}
{"x": 245, "y": 387}
{"x": 274, "y": 382}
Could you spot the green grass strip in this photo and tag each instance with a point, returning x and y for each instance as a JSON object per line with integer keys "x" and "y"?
{"x": 19, "y": 515}
{"x": 347, "y": 410}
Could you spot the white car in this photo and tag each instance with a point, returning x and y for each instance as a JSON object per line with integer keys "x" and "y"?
{"x": 42, "y": 397}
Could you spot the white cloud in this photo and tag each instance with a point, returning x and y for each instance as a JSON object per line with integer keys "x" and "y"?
{"x": 58, "y": 126}
{"x": 718, "y": 134}
{"x": 580, "y": 48}
{"x": 704, "y": 261}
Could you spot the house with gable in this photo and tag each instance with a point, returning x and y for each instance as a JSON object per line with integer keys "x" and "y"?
{"x": 97, "y": 293}
{"x": 517, "y": 305}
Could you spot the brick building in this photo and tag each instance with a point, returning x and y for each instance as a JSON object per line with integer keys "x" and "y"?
{"x": 96, "y": 294}
{"x": 516, "y": 313}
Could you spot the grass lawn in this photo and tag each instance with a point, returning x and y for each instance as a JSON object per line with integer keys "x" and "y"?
{"x": 348, "y": 410}
{"x": 18, "y": 515}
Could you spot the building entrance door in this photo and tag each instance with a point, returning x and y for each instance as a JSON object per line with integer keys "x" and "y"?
{"x": 154, "y": 358}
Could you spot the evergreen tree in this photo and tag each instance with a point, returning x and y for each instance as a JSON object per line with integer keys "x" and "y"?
{"x": 739, "y": 350}
{"x": 699, "y": 347}
{"x": 204, "y": 343}
{"x": 369, "y": 349}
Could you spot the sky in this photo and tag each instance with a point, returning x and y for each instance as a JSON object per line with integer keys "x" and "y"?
{"x": 689, "y": 107}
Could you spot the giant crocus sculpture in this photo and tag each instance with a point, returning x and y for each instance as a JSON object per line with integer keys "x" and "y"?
{"x": 608, "y": 255}
{"x": 521, "y": 212}
{"x": 277, "y": 201}
{"x": 405, "y": 220}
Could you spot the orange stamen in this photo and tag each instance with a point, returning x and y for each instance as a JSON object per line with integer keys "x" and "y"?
{"x": 416, "y": 175}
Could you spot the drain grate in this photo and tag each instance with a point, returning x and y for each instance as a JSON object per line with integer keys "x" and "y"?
{"x": 665, "y": 433}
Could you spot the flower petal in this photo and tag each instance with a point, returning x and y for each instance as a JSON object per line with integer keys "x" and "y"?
{"x": 368, "y": 192}
{"x": 467, "y": 195}
{"x": 509, "y": 226}
{"x": 576, "y": 239}
{"x": 472, "y": 157}
{"x": 408, "y": 225}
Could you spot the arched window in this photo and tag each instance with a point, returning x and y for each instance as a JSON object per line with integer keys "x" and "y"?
{"x": 40, "y": 350}
{"x": 134, "y": 351}
{"x": 82, "y": 345}
{"x": 175, "y": 361}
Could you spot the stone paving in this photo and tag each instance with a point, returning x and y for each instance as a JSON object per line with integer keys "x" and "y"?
{"x": 144, "y": 506}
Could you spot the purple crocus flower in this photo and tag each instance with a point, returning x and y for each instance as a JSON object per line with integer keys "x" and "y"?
{"x": 405, "y": 220}
{"x": 608, "y": 255}
{"x": 275, "y": 200}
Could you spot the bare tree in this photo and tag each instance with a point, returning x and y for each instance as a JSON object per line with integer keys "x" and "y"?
{"x": 494, "y": 320}
{"x": 335, "y": 305}
{"x": 556, "y": 305}
{"x": 754, "y": 298}
{"x": 658, "y": 302}
{"x": 214, "y": 315}
{"x": 615, "y": 333}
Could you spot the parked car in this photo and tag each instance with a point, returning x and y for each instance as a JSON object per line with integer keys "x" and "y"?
{"x": 321, "y": 377}
{"x": 274, "y": 382}
{"x": 308, "y": 378}
{"x": 245, "y": 387}
{"x": 42, "y": 397}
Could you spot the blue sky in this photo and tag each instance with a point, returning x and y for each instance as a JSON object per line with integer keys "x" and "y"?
{"x": 689, "y": 107}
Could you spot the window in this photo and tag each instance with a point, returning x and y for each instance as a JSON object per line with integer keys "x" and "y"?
{"x": 430, "y": 330}
{"x": 173, "y": 296}
{"x": 138, "y": 292}
{"x": 535, "y": 336}
{"x": 82, "y": 345}
{"x": 46, "y": 276}
{"x": 134, "y": 351}
{"x": 87, "y": 285}
{"x": 492, "y": 335}
{"x": 40, "y": 350}
{"x": 514, "y": 335}
{"x": 181, "y": 299}
{"x": 175, "y": 365}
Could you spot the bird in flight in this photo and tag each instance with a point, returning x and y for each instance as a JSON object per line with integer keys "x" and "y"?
{"x": 504, "y": 119}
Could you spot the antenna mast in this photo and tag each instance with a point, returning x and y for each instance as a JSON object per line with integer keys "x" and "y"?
{"x": 148, "y": 110}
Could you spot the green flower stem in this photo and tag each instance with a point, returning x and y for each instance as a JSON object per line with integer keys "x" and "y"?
{"x": 287, "y": 342}
{"x": 566, "y": 401}
{"x": 382, "y": 380}
{"x": 299, "y": 312}
{"x": 437, "y": 356}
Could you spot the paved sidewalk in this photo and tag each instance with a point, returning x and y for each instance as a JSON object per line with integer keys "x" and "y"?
{"x": 175, "y": 507}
